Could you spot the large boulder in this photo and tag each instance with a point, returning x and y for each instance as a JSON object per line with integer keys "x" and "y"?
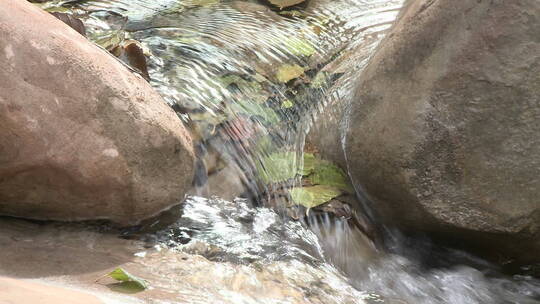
{"x": 325, "y": 134}
{"x": 82, "y": 137}
{"x": 26, "y": 291}
{"x": 445, "y": 130}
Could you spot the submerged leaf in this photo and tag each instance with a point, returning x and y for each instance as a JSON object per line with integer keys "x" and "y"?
{"x": 314, "y": 196}
{"x": 134, "y": 283}
{"x": 257, "y": 111}
{"x": 309, "y": 163}
{"x": 253, "y": 89}
{"x": 323, "y": 172}
{"x": 326, "y": 173}
{"x": 299, "y": 47}
{"x": 277, "y": 167}
{"x": 287, "y": 103}
{"x": 287, "y": 72}
{"x": 109, "y": 40}
{"x": 319, "y": 81}
{"x": 203, "y": 3}
{"x": 293, "y": 13}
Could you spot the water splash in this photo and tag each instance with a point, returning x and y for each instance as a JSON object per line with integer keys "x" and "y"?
{"x": 249, "y": 81}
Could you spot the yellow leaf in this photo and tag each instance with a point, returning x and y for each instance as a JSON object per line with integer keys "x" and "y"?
{"x": 287, "y": 72}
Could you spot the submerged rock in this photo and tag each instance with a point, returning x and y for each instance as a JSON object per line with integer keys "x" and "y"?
{"x": 82, "y": 137}
{"x": 444, "y": 136}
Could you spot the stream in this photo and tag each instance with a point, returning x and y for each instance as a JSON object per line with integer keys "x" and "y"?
{"x": 249, "y": 82}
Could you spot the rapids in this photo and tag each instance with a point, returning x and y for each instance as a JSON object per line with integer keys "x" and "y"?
{"x": 249, "y": 82}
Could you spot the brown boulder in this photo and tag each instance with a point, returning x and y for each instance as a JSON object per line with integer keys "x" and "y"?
{"x": 26, "y": 292}
{"x": 82, "y": 137}
{"x": 445, "y": 131}
{"x": 325, "y": 134}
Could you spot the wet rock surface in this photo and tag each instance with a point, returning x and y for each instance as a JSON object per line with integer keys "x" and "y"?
{"x": 23, "y": 291}
{"x": 443, "y": 133}
{"x": 78, "y": 257}
{"x": 247, "y": 93}
{"x": 83, "y": 138}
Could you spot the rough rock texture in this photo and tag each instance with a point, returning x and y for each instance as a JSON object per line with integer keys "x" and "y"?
{"x": 73, "y": 256}
{"x": 445, "y": 133}
{"x": 325, "y": 135}
{"x": 82, "y": 137}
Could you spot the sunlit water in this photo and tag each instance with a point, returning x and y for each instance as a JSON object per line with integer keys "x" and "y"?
{"x": 217, "y": 63}
{"x": 239, "y": 233}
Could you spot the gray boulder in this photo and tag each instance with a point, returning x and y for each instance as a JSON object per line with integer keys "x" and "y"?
{"x": 444, "y": 134}
{"x": 82, "y": 137}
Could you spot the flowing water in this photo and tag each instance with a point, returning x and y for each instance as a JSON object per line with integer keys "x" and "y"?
{"x": 249, "y": 81}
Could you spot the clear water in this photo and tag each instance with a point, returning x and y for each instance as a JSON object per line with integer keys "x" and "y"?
{"x": 238, "y": 233}
{"x": 217, "y": 63}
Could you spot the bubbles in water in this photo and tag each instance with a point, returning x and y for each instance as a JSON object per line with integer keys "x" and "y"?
{"x": 248, "y": 81}
{"x": 241, "y": 233}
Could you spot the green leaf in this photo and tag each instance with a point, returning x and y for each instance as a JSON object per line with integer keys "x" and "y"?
{"x": 299, "y": 47}
{"x": 250, "y": 108}
{"x": 277, "y": 167}
{"x": 108, "y": 39}
{"x": 293, "y": 13}
{"x": 309, "y": 164}
{"x": 287, "y": 72}
{"x": 323, "y": 172}
{"x": 287, "y": 103}
{"x": 253, "y": 89}
{"x": 125, "y": 287}
{"x": 131, "y": 281}
{"x": 326, "y": 173}
{"x": 203, "y": 3}
{"x": 319, "y": 81}
{"x": 314, "y": 196}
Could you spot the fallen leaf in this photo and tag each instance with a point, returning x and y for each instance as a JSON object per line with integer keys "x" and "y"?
{"x": 309, "y": 164}
{"x": 287, "y": 103}
{"x": 73, "y": 22}
{"x": 203, "y": 3}
{"x": 277, "y": 167}
{"x": 328, "y": 174}
{"x": 299, "y": 47}
{"x": 313, "y": 196}
{"x": 255, "y": 110}
{"x": 293, "y": 13}
{"x": 109, "y": 40}
{"x": 133, "y": 54}
{"x": 130, "y": 281}
{"x": 287, "y": 72}
{"x": 319, "y": 81}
